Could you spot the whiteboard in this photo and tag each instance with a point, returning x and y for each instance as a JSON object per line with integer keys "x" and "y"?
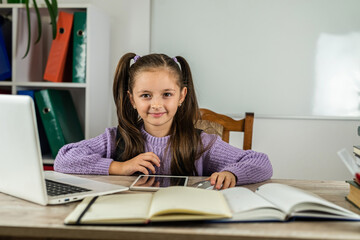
{"x": 271, "y": 57}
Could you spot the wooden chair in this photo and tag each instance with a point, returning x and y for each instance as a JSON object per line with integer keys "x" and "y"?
{"x": 222, "y": 125}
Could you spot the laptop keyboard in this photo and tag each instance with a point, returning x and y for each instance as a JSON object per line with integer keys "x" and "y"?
{"x": 56, "y": 188}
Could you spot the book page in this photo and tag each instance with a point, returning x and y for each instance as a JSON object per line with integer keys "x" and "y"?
{"x": 246, "y": 205}
{"x": 119, "y": 208}
{"x": 292, "y": 199}
{"x": 182, "y": 203}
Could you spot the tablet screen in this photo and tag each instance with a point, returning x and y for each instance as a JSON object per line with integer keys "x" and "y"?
{"x": 154, "y": 182}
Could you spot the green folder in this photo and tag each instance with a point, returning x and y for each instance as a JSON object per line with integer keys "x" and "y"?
{"x": 44, "y": 144}
{"x": 79, "y": 47}
{"x": 59, "y": 117}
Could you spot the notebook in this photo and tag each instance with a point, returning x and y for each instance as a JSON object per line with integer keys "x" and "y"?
{"x": 21, "y": 165}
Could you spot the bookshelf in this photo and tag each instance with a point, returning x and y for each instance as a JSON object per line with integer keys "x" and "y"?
{"x": 92, "y": 98}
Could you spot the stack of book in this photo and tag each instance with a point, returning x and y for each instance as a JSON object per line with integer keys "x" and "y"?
{"x": 356, "y": 151}
{"x": 352, "y": 164}
{"x": 354, "y": 194}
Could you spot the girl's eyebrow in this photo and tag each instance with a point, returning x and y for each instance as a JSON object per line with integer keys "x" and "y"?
{"x": 164, "y": 90}
{"x": 143, "y": 91}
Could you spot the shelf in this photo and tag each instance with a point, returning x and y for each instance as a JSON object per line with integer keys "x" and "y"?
{"x": 92, "y": 98}
{"x": 6, "y": 83}
{"x": 51, "y": 84}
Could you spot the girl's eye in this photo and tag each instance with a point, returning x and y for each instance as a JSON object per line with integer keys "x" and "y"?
{"x": 167, "y": 94}
{"x": 145, "y": 95}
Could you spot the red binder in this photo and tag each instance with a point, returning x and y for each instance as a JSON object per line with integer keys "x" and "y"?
{"x": 55, "y": 65}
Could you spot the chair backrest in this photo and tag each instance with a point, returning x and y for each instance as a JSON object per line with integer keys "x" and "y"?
{"x": 224, "y": 124}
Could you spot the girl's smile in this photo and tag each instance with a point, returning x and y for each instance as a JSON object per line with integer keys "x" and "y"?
{"x": 157, "y": 115}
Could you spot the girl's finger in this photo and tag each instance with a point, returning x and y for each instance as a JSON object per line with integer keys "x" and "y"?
{"x": 148, "y": 165}
{"x": 233, "y": 183}
{"x": 213, "y": 178}
{"x": 153, "y": 157}
{"x": 142, "y": 169}
{"x": 219, "y": 181}
{"x": 226, "y": 183}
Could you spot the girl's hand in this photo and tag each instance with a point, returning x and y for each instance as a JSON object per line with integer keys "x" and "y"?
{"x": 141, "y": 163}
{"x": 222, "y": 180}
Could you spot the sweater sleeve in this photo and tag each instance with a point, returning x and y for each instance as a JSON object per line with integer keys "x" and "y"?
{"x": 247, "y": 165}
{"x": 92, "y": 156}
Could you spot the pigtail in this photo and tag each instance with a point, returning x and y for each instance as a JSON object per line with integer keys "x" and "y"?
{"x": 129, "y": 139}
{"x": 190, "y": 105}
{"x": 186, "y": 144}
{"x": 121, "y": 78}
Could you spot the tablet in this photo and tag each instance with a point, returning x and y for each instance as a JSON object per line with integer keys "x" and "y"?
{"x": 155, "y": 182}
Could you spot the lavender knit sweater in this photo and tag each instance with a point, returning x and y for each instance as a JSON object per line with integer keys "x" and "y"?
{"x": 94, "y": 156}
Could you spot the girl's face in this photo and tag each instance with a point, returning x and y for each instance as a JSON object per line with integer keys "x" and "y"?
{"x": 156, "y": 97}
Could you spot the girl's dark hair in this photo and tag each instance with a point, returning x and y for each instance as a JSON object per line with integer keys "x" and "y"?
{"x": 185, "y": 141}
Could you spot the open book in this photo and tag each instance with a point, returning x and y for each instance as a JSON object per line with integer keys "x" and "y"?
{"x": 270, "y": 202}
{"x": 168, "y": 204}
{"x": 279, "y": 202}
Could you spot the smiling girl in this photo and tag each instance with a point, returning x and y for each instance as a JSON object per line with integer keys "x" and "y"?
{"x": 157, "y": 108}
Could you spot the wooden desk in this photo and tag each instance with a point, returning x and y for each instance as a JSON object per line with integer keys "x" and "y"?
{"x": 21, "y": 219}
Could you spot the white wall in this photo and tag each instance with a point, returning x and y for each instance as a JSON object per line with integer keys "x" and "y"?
{"x": 302, "y": 148}
{"x": 274, "y": 57}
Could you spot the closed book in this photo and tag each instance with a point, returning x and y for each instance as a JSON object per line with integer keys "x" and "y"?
{"x": 5, "y": 67}
{"x": 44, "y": 144}
{"x": 55, "y": 66}
{"x": 79, "y": 47}
{"x": 354, "y": 193}
{"x": 60, "y": 119}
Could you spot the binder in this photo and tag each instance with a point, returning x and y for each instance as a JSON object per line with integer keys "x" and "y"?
{"x": 60, "y": 119}
{"x": 55, "y": 66}
{"x": 5, "y": 67}
{"x": 44, "y": 144}
{"x": 79, "y": 47}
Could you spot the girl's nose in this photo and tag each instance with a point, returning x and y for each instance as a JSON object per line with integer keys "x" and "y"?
{"x": 156, "y": 105}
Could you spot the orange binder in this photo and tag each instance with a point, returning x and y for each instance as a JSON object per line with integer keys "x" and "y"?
{"x": 55, "y": 65}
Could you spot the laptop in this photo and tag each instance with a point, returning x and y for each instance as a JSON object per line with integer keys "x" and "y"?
{"x": 21, "y": 165}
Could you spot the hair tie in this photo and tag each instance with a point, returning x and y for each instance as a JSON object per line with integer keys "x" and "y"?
{"x": 175, "y": 59}
{"x": 136, "y": 58}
